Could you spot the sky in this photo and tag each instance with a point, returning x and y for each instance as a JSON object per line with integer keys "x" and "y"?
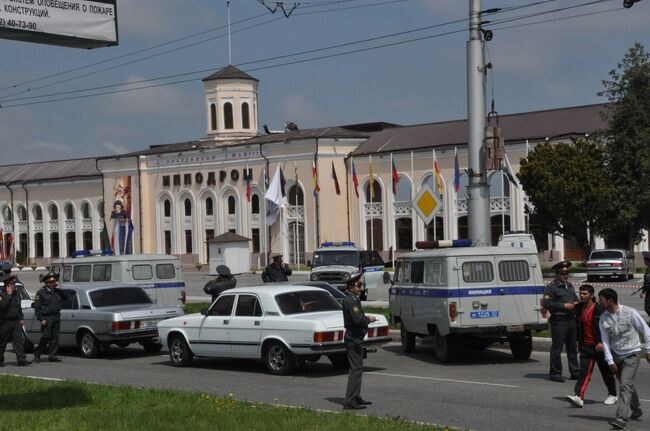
{"x": 535, "y": 66}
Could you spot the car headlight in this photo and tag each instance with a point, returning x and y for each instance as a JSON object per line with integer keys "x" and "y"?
{"x": 346, "y": 277}
{"x": 313, "y": 277}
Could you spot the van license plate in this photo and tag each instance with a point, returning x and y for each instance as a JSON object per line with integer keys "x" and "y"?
{"x": 483, "y": 314}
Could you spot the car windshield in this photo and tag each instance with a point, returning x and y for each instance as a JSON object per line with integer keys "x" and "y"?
{"x": 340, "y": 257}
{"x": 606, "y": 254}
{"x": 119, "y": 296}
{"x": 309, "y": 301}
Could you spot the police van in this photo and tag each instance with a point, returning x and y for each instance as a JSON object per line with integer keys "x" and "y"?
{"x": 159, "y": 275}
{"x": 335, "y": 262}
{"x": 467, "y": 296}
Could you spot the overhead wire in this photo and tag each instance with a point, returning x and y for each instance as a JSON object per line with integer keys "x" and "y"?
{"x": 308, "y": 59}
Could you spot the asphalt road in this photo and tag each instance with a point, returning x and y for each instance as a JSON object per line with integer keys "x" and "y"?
{"x": 486, "y": 390}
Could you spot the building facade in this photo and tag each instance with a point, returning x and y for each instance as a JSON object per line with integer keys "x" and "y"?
{"x": 174, "y": 198}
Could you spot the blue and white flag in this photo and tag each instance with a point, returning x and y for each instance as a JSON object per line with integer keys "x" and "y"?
{"x": 273, "y": 198}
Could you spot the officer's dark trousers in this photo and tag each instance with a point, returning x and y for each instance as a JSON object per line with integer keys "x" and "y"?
{"x": 11, "y": 330}
{"x": 646, "y": 304}
{"x": 49, "y": 337}
{"x": 589, "y": 357}
{"x": 564, "y": 334}
{"x": 355, "y": 358}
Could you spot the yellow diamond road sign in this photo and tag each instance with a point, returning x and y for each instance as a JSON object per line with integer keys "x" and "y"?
{"x": 426, "y": 204}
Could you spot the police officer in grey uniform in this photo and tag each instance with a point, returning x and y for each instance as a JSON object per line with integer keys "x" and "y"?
{"x": 356, "y": 328}
{"x": 560, "y": 299}
{"x": 48, "y": 304}
{"x": 11, "y": 322}
{"x": 224, "y": 281}
{"x": 645, "y": 292}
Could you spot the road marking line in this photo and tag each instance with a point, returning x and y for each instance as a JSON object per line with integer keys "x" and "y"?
{"x": 441, "y": 380}
{"x": 53, "y": 379}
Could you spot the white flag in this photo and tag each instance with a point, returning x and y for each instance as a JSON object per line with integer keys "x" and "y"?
{"x": 507, "y": 169}
{"x": 273, "y": 197}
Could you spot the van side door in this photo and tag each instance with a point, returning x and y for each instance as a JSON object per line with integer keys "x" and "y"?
{"x": 372, "y": 266}
{"x": 517, "y": 290}
{"x": 478, "y": 292}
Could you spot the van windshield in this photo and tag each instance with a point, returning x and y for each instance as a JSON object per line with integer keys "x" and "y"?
{"x": 119, "y": 296}
{"x": 336, "y": 257}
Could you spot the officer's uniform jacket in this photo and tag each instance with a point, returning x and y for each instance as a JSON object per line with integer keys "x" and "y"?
{"x": 10, "y": 308}
{"x": 355, "y": 320}
{"x": 646, "y": 281}
{"x": 220, "y": 284}
{"x": 556, "y": 294}
{"x": 276, "y": 273}
{"x": 48, "y": 303}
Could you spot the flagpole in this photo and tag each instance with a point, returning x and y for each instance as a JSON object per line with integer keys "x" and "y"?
{"x": 295, "y": 224}
{"x": 503, "y": 202}
{"x": 372, "y": 195}
{"x": 392, "y": 228}
{"x": 435, "y": 185}
{"x": 413, "y": 220}
{"x": 350, "y": 220}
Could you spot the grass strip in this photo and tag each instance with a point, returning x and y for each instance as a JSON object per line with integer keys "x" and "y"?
{"x": 33, "y": 404}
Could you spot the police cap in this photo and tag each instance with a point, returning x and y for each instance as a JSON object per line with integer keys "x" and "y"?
{"x": 223, "y": 270}
{"x": 565, "y": 264}
{"x": 11, "y": 278}
{"x": 646, "y": 255}
{"x": 276, "y": 256}
{"x": 50, "y": 276}
{"x": 354, "y": 278}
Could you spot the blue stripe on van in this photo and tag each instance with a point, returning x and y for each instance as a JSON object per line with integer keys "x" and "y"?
{"x": 373, "y": 268}
{"x": 162, "y": 285}
{"x": 468, "y": 292}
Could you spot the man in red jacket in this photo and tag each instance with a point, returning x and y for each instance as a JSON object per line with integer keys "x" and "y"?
{"x": 591, "y": 348}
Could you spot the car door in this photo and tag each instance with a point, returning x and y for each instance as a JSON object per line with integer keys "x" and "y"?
{"x": 69, "y": 318}
{"x": 246, "y": 327}
{"x": 214, "y": 331}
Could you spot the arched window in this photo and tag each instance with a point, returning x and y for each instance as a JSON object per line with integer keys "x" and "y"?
{"x": 68, "y": 210}
{"x": 245, "y": 116}
{"x": 6, "y": 213}
{"x": 295, "y": 196}
{"x": 499, "y": 224}
{"x": 100, "y": 209}
{"x": 463, "y": 229}
{"x": 167, "y": 208}
{"x": 231, "y": 205}
{"x": 403, "y": 233}
{"x": 188, "y": 207}
{"x": 209, "y": 208}
{"x": 228, "y": 116}
{"x": 37, "y": 212}
{"x": 376, "y": 197}
{"x": 255, "y": 204}
{"x": 85, "y": 210}
{"x": 213, "y": 116}
{"x": 375, "y": 228}
{"x": 54, "y": 212}
{"x": 22, "y": 213}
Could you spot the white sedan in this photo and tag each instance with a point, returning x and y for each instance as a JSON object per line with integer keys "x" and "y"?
{"x": 283, "y": 325}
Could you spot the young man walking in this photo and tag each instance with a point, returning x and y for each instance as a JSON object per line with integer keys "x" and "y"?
{"x": 588, "y": 314}
{"x": 620, "y": 327}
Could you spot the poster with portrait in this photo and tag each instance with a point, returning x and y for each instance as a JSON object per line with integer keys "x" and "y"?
{"x": 122, "y": 229}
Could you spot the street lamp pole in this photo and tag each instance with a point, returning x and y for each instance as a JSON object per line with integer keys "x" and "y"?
{"x": 478, "y": 208}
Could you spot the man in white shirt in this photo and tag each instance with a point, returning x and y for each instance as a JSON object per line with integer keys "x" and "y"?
{"x": 620, "y": 327}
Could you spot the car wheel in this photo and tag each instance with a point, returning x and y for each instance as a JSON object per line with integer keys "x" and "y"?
{"x": 521, "y": 348}
{"x": 89, "y": 345}
{"x": 279, "y": 360}
{"x": 407, "y": 339}
{"x": 179, "y": 352}
{"x": 339, "y": 360}
{"x": 151, "y": 347}
{"x": 445, "y": 347}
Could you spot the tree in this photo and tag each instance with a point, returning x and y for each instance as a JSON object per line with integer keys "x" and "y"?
{"x": 628, "y": 147}
{"x": 568, "y": 189}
